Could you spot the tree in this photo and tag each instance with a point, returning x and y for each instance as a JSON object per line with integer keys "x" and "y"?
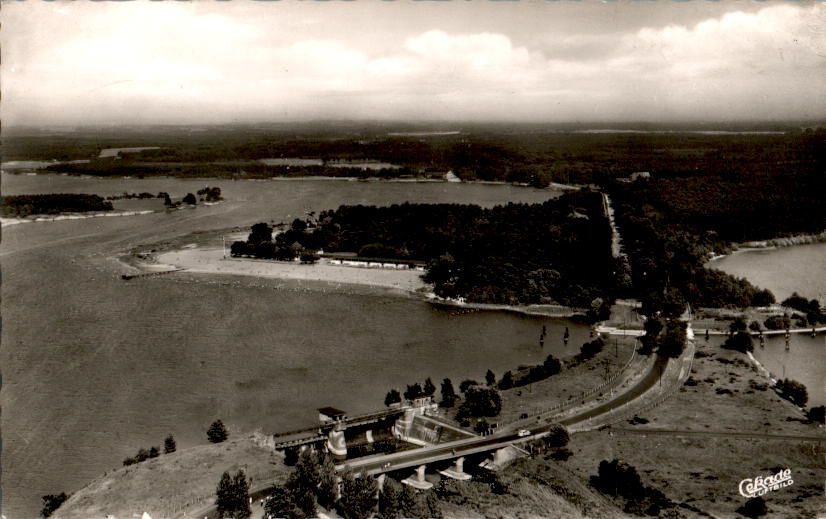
{"x": 224, "y": 495}
{"x": 190, "y": 199}
{"x": 507, "y": 381}
{"x": 490, "y": 378}
{"x": 673, "y": 339}
{"x": 448, "y": 393}
{"x": 755, "y": 326}
{"x": 480, "y": 401}
{"x": 777, "y": 322}
{"x": 52, "y": 502}
{"x": 169, "y": 445}
{"x": 552, "y": 365}
{"x": 429, "y": 389}
{"x": 154, "y": 452}
{"x": 817, "y": 414}
{"x": 740, "y": 341}
{"x": 280, "y": 505}
{"x": 304, "y": 481}
{"x": 413, "y": 392}
{"x": 328, "y": 482}
{"x": 618, "y": 478}
{"x": 466, "y": 384}
{"x": 739, "y": 324}
{"x": 142, "y": 455}
{"x": 793, "y": 391}
{"x": 241, "y": 496}
{"x": 358, "y": 496}
{"x": 217, "y": 433}
{"x": 392, "y": 397}
{"x": 754, "y": 508}
{"x": 557, "y": 437}
{"x": 389, "y": 498}
{"x": 259, "y": 232}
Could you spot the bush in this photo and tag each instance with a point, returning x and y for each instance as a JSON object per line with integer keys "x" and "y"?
{"x": 52, "y": 502}
{"x": 777, "y": 322}
{"x": 754, "y": 507}
{"x": 817, "y": 414}
{"x": 740, "y": 341}
{"x": 793, "y": 391}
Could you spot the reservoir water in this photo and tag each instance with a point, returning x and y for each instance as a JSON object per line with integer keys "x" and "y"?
{"x": 95, "y": 368}
{"x": 784, "y": 270}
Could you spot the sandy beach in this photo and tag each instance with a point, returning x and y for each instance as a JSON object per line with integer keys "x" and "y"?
{"x": 212, "y": 261}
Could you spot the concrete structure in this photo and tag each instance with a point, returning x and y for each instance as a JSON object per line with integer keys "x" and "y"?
{"x": 417, "y": 480}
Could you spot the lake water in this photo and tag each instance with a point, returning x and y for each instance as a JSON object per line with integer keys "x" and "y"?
{"x": 95, "y": 368}
{"x": 800, "y": 268}
{"x": 784, "y": 270}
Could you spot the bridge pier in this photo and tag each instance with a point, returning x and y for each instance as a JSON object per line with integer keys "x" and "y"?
{"x": 501, "y": 457}
{"x": 457, "y": 471}
{"x": 417, "y": 480}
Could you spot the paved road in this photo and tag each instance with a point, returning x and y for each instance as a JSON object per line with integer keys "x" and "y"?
{"x": 649, "y": 380}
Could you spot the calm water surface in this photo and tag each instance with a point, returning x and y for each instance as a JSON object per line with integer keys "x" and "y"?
{"x": 801, "y": 269}
{"x": 95, "y": 368}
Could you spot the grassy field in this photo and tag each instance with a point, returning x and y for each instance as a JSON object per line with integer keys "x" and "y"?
{"x": 734, "y": 416}
{"x": 173, "y": 483}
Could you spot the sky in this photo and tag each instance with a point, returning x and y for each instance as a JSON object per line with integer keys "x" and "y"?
{"x": 139, "y": 62}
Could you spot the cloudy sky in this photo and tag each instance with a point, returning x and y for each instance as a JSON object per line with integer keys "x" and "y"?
{"x": 557, "y": 61}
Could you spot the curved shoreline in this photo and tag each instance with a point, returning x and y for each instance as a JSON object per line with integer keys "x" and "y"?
{"x": 774, "y": 243}
{"x": 406, "y": 283}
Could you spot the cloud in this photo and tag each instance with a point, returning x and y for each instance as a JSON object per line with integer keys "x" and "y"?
{"x": 143, "y": 62}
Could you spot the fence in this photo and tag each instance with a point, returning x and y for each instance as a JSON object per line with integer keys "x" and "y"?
{"x": 622, "y": 412}
{"x": 581, "y": 398}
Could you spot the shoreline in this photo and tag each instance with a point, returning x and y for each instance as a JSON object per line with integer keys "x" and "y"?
{"x": 553, "y": 186}
{"x": 407, "y": 283}
{"x": 772, "y": 244}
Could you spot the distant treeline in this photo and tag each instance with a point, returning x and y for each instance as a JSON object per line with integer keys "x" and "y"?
{"x": 25, "y": 205}
{"x": 108, "y": 167}
{"x": 521, "y": 153}
{"x": 556, "y": 251}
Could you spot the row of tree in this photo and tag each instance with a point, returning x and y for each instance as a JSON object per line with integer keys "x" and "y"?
{"x": 19, "y": 206}
{"x": 169, "y": 447}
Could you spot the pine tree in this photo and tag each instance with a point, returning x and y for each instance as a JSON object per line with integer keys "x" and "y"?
{"x": 490, "y": 378}
{"x": 358, "y": 496}
{"x": 224, "y": 495}
{"x": 448, "y": 393}
{"x": 169, "y": 445}
{"x": 429, "y": 387}
{"x": 281, "y": 505}
{"x": 304, "y": 481}
{"x": 217, "y": 433}
{"x": 328, "y": 483}
{"x": 241, "y": 496}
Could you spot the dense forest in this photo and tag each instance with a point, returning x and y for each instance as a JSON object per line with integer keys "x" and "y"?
{"x": 533, "y": 154}
{"x": 557, "y": 251}
{"x": 667, "y": 254}
{"x": 24, "y": 205}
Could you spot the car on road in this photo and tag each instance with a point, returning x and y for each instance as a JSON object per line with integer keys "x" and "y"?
{"x": 523, "y": 432}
